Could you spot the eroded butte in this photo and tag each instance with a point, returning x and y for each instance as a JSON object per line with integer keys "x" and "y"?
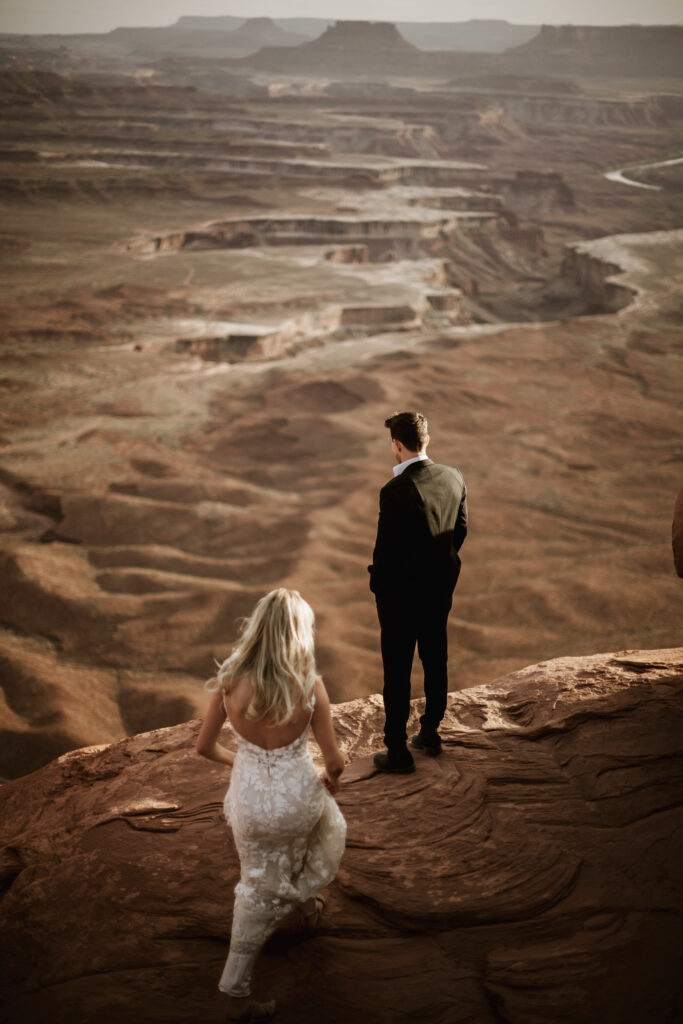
{"x": 212, "y": 297}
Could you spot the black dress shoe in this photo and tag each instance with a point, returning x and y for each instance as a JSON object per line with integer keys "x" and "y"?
{"x": 428, "y": 742}
{"x": 399, "y": 764}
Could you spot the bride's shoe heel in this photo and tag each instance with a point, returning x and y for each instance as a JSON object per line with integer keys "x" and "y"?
{"x": 310, "y": 922}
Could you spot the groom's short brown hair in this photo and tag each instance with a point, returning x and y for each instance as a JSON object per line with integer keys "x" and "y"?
{"x": 410, "y": 428}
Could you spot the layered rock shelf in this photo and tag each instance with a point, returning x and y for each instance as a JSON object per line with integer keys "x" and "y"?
{"x": 532, "y": 873}
{"x": 244, "y": 342}
{"x": 381, "y": 239}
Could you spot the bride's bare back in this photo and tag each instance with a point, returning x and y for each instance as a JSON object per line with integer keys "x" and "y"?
{"x": 260, "y": 731}
{"x": 267, "y": 736}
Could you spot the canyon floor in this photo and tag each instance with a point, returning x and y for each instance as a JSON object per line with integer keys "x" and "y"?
{"x": 210, "y": 304}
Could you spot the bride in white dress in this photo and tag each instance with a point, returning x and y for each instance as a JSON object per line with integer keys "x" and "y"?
{"x": 288, "y": 829}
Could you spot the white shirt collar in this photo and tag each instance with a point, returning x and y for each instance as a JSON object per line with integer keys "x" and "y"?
{"x": 402, "y": 465}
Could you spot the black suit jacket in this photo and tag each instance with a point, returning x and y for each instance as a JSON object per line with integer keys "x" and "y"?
{"x": 422, "y": 524}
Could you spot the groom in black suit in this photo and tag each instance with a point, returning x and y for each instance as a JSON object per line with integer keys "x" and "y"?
{"x": 415, "y": 566}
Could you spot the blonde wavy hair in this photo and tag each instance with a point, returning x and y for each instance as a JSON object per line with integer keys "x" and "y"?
{"x": 276, "y": 650}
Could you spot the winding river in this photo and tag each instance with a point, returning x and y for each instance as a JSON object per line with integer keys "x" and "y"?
{"x": 621, "y": 175}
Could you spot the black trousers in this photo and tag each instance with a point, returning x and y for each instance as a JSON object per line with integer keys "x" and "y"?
{"x": 405, "y": 624}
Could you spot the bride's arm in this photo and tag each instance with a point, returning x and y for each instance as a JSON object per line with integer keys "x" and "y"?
{"x": 207, "y": 741}
{"x": 323, "y": 730}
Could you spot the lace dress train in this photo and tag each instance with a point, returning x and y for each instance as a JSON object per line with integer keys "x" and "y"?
{"x": 289, "y": 833}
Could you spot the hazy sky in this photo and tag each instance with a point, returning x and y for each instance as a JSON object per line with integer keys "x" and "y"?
{"x": 103, "y": 15}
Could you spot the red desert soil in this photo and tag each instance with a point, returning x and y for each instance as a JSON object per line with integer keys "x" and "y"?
{"x": 209, "y": 307}
{"x": 531, "y": 874}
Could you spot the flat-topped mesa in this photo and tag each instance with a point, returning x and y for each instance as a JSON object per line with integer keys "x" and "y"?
{"x": 647, "y": 49}
{"x": 614, "y": 38}
{"x": 369, "y": 48}
{"x": 532, "y": 872}
{"x": 376, "y": 36}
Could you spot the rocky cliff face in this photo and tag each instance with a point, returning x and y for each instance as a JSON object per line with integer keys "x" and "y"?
{"x": 596, "y": 278}
{"x": 530, "y": 874}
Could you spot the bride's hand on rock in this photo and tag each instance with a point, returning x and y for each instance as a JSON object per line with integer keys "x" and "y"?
{"x": 331, "y": 781}
{"x": 323, "y": 730}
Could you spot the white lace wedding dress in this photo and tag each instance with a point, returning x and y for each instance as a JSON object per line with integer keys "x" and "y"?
{"x": 289, "y": 833}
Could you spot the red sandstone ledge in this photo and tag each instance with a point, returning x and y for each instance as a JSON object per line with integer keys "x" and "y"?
{"x": 530, "y": 874}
